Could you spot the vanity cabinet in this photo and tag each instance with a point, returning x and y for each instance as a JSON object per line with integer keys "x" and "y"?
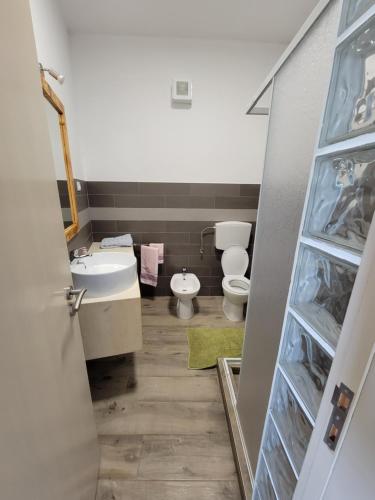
{"x": 111, "y": 325}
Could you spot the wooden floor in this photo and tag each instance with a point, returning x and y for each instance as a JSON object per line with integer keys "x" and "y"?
{"x": 162, "y": 428}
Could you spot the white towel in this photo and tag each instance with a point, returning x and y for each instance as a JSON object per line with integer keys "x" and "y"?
{"x": 119, "y": 241}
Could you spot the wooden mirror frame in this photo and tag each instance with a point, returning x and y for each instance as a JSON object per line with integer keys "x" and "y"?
{"x": 52, "y": 98}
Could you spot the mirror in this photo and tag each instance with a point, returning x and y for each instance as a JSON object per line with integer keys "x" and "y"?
{"x": 61, "y": 159}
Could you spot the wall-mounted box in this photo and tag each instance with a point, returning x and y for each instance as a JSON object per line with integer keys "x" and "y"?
{"x": 182, "y": 91}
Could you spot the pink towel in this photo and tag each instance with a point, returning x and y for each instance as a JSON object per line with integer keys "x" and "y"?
{"x": 149, "y": 265}
{"x": 160, "y": 247}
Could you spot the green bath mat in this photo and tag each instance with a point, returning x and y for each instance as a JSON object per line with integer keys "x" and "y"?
{"x": 208, "y": 344}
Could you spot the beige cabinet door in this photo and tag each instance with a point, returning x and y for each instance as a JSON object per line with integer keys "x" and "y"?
{"x": 48, "y": 444}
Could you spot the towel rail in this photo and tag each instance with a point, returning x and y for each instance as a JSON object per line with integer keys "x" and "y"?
{"x": 201, "y": 250}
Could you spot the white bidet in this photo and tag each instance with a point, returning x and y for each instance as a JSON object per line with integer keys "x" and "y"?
{"x": 185, "y": 286}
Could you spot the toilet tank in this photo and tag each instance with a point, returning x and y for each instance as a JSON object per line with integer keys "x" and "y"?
{"x": 231, "y": 233}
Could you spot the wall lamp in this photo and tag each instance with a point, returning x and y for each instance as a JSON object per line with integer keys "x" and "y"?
{"x": 57, "y": 76}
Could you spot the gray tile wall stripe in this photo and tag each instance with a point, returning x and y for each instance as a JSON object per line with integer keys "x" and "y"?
{"x": 83, "y": 238}
{"x": 82, "y": 202}
{"x": 172, "y": 214}
{"x": 171, "y": 188}
{"x": 82, "y": 196}
{"x": 66, "y": 214}
{"x": 182, "y": 249}
{"x": 172, "y": 195}
{"x": 84, "y": 217}
{"x": 174, "y": 201}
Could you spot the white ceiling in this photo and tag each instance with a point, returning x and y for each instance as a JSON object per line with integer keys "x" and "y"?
{"x": 274, "y": 21}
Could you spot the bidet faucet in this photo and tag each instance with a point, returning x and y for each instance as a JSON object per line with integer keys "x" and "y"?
{"x": 184, "y": 271}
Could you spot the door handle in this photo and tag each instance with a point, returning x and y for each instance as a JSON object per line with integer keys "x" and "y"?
{"x": 70, "y": 293}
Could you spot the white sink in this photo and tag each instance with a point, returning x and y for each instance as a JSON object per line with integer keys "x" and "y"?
{"x": 104, "y": 273}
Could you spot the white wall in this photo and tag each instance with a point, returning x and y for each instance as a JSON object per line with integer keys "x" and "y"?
{"x": 53, "y": 49}
{"x": 130, "y": 132}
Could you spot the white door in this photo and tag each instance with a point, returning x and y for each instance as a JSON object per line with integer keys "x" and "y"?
{"x": 353, "y": 473}
{"x": 48, "y": 445}
{"x": 348, "y": 472}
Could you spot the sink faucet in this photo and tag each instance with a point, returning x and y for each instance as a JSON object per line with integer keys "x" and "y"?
{"x": 80, "y": 253}
{"x": 184, "y": 271}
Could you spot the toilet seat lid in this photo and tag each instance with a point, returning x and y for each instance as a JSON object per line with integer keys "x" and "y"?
{"x": 234, "y": 261}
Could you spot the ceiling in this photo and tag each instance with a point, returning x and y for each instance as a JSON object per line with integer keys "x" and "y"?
{"x": 273, "y": 21}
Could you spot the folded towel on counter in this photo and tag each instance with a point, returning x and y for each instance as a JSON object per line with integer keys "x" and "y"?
{"x": 149, "y": 265}
{"x": 119, "y": 241}
{"x": 160, "y": 247}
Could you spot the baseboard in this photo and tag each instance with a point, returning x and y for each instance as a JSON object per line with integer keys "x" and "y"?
{"x": 225, "y": 373}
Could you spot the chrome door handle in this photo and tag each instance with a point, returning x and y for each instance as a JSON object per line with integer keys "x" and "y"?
{"x": 70, "y": 293}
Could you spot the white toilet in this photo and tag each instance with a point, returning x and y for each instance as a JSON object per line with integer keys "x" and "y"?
{"x": 185, "y": 286}
{"x": 233, "y": 238}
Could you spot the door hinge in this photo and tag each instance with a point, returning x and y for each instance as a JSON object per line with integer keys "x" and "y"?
{"x": 341, "y": 399}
